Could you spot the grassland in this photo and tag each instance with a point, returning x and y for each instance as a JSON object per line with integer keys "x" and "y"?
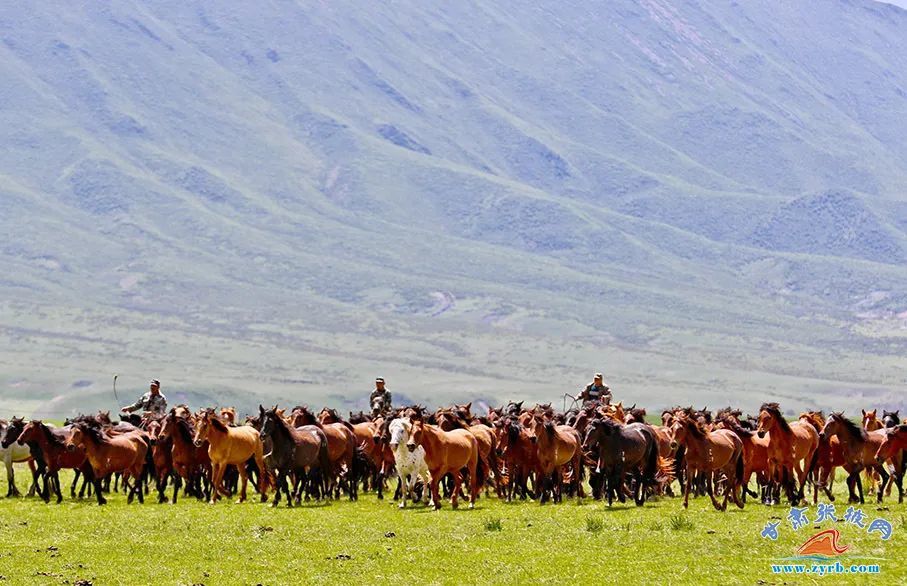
{"x": 375, "y": 543}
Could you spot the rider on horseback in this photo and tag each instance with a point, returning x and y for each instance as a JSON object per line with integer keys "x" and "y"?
{"x": 153, "y": 401}
{"x": 596, "y": 391}
{"x": 380, "y": 399}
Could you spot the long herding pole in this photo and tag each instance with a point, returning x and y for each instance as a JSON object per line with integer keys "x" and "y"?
{"x": 115, "y": 389}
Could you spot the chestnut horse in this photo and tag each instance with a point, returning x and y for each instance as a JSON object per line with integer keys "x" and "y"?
{"x": 124, "y": 453}
{"x": 519, "y": 455}
{"x": 828, "y": 456}
{"x": 792, "y": 448}
{"x": 230, "y": 446}
{"x": 871, "y": 422}
{"x": 755, "y": 457}
{"x": 859, "y": 448}
{"x": 709, "y": 452}
{"x": 447, "y": 452}
{"x": 190, "y": 462}
{"x": 892, "y": 450}
{"x": 51, "y": 443}
{"x": 449, "y": 419}
{"x": 558, "y": 446}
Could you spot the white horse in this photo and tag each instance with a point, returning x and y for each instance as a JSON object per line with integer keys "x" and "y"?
{"x": 15, "y": 453}
{"x": 409, "y": 462}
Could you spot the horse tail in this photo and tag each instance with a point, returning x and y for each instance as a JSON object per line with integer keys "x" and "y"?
{"x": 812, "y": 463}
{"x": 738, "y": 469}
{"x": 481, "y": 471}
{"x": 651, "y": 469}
{"x": 665, "y": 469}
{"x": 324, "y": 461}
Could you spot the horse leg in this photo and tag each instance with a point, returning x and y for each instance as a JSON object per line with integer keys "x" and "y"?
{"x": 435, "y": 496}
{"x": 244, "y": 480}
{"x": 407, "y": 487}
{"x": 11, "y": 489}
{"x": 883, "y": 482}
{"x": 57, "y": 488}
{"x": 686, "y": 488}
{"x": 34, "y": 478}
{"x": 177, "y": 485}
{"x": 457, "y": 484}
{"x": 709, "y": 490}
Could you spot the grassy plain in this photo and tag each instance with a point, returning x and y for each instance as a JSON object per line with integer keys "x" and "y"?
{"x": 373, "y": 542}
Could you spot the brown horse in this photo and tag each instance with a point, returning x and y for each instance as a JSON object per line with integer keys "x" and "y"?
{"x": 341, "y": 449}
{"x": 828, "y": 456}
{"x": 792, "y": 448}
{"x": 859, "y": 448}
{"x": 892, "y": 450}
{"x": 709, "y": 452}
{"x": 755, "y": 456}
{"x": 871, "y": 422}
{"x": 447, "y": 452}
{"x": 230, "y": 446}
{"x": 558, "y": 446}
{"x": 519, "y": 455}
{"x": 52, "y": 445}
{"x": 123, "y": 453}
{"x": 161, "y": 456}
{"x": 190, "y": 462}
{"x": 449, "y": 419}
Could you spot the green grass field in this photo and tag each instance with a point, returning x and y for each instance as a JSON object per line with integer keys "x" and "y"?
{"x": 373, "y": 542}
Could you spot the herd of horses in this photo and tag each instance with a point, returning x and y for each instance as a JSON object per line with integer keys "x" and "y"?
{"x": 516, "y": 452}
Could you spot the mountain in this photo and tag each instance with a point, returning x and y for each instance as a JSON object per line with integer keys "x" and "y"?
{"x": 479, "y": 200}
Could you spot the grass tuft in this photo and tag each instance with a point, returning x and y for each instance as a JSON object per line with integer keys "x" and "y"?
{"x": 680, "y": 523}
{"x": 594, "y": 524}
{"x": 494, "y": 524}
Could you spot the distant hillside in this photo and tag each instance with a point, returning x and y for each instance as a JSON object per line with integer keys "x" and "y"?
{"x": 280, "y": 201}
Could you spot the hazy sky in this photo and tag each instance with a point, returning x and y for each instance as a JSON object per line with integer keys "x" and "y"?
{"x": 901, "y": 3}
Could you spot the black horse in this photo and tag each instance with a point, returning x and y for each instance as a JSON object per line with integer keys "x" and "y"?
{"x": 621, "y": 450}
{"x": 298, "y": 452}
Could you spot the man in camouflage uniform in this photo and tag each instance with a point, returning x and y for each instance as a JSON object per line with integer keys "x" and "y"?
{"x": 380, "y": 393}
{"x": 596, "y": 391}
{"x": 153, "y": 401}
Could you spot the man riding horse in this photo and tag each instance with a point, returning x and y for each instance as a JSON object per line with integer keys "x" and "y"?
{"x": 380, "y": 399}
{"x": 596, "y": 391}
{"x": 153, "y": 401}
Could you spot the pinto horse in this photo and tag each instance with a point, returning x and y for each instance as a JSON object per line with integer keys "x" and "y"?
{"x": 447, "y": 452}
{"x": 410, "y": 463}
{"x": 230, "y": 446}
{"x": 124, "y": 453}
{"x": 622, "y": 449}
{"x": 294, "y": 452}
{"x": 14, "y": 452}
{"x": 191, "y": 463}
{"x": 709, "y": 452}
{"x": 558, "y": 446}
{"x": 792, "y": 448}
{"x": 859, "y": 448}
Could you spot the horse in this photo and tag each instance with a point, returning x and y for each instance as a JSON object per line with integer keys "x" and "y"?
{"x": 51, "y": 444}
{"x": 341, "y": 447}
{"x": 410, "y": 462}
{"x": 519, "y": 456}
{"x": 829, "y": 457}
{"x": 859, "y": 448}
{"x": 12, "y": 453}
{"x": 709, "y": 452}
{"x": 450, "y": 419}
{"x": 228, "y": 415}
{"x": 891, "y": 450}
{"x": 191, "y": 463}
{"x": 871, "y": 422}
{"x": 447, "y": 452}
{"x": 558, "y": 446}
{"x": 792, "y": 448}
{"x": 892, "y": 419}
{"x": 161, "y": 456}
{"x": 622, "y": 449}
{"x": 755, "y": 456}
{"x": 295, "y": 452}
{"x": 123, "y": 453}
{"x": 230, "y": 446}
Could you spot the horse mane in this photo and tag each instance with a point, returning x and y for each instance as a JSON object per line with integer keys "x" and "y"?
{"x": 695, "y": 428}
{"x": 735, "y": 426}
{"x": 92, "y": 431}
{"x": 52, "y": 438}
{"x": 815, "y": 418}
{"x": 217, "y": 422}
{"x": 184, "y": 428}
{"x": 774, "y": 410}
{"x": 513, "y": 427}
{"x": 855, "y": 431}
{"x": 638, "y": 413}
{"x": 281, "y": 421}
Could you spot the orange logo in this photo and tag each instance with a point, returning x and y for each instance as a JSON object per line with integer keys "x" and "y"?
{"x": 823, "y": 543}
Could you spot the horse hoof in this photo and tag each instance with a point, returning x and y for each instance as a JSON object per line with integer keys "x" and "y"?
{"x": 472, "y": 505}
{"x": 401, "y": 506}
